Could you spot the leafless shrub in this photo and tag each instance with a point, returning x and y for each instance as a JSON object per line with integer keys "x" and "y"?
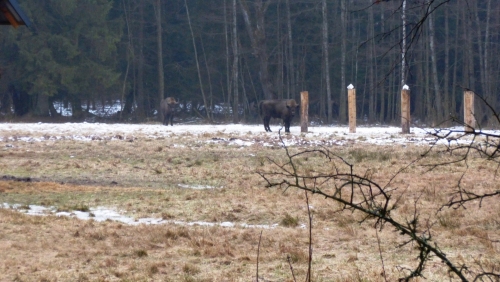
{"x": 379, "y": 203}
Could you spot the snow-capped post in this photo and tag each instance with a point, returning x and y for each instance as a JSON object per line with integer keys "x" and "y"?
{"x": 469, "y": 120}
{"x": 351, "y": 100}
{"x": 304, "y": 111}
{"x": 405, "y": 109}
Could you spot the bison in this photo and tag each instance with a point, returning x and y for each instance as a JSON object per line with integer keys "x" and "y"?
{"x": 167, "y": 107}
{"x": 283, "y": 109}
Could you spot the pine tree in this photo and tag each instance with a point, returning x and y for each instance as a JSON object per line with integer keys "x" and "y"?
{"x": 71, "y": 53}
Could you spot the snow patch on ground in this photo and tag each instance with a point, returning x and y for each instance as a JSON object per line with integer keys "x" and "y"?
{"x": 104, "y": 214}
{"x": 197, "y": 187}
{"x": 242, "y": 135}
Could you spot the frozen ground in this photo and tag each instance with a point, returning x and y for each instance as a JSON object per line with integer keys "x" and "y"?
{"x": 238, "y": 134}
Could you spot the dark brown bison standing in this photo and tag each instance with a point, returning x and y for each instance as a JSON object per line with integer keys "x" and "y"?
{"x": 168, "y": 106}
{"x": 283, "y": 109}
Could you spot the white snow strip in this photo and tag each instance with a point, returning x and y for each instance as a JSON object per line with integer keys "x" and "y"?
{"x": 242, "y": 135}
{"x": 197, "y": 187}
{"x": 103, "y": 214}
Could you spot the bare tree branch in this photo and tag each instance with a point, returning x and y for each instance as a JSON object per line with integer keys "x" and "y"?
{"x": 358, "y": 193}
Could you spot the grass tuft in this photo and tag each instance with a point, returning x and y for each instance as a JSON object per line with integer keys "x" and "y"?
{"x": 141, "y": 253}
{"x": 81, "y": 207}
{"x": 190, "y": 269}
{"x": 289, "y": 221}
{"x": 449, "y": 220}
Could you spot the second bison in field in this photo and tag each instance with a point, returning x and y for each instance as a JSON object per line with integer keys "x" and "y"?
{"x": 167, "y": 107}
{"x": 283, "y": 109}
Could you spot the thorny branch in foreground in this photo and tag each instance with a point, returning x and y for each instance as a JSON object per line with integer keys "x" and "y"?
{"x": 464, "y": 146}
{"x": 359, "y": 193}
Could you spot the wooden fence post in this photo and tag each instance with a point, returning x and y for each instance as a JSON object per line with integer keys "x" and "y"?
{"x": 405, "y": 109}
{"x": 469, "y": 120}
{"x": 351, "y": 98}
{"x": 304, "y": 111}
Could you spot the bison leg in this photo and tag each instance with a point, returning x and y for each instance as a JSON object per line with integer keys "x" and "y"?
{"x": 287, "y": 125}
{"x": 171, "y": 120}
{"x": 266, "y": 124}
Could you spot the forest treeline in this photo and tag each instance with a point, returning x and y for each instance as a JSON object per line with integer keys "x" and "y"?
{"x": 226, "y": 55}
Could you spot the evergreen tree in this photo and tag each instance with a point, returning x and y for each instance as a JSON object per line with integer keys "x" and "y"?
{"x": 71, "y": 53}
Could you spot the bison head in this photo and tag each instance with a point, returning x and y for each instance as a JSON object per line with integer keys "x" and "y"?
{"x": 171, "y": 101}
{"x": 291, "y": 106}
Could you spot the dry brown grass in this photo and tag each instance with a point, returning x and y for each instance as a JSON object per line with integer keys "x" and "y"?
{"x": 142, "y": 178}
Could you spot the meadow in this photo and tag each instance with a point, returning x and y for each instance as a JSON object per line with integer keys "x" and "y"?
{"x": 219, "y": 222}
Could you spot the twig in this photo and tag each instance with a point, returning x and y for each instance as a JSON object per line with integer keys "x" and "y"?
{"x": 258, "y": 253}
{"x": 291, "y": 267}
{"x": 381, "y": 257}
{"x": 308, "y": 278}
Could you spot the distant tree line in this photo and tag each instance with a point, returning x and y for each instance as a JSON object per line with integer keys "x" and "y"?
{"x": 234, "y": 53}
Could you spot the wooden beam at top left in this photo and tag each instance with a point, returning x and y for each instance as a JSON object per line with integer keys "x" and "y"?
{"x": 10, "y": 17}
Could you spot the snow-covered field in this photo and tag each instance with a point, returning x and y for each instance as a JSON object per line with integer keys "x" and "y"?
{"x": 243, "y": 134}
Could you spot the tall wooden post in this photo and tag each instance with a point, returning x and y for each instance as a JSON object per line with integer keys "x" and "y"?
{"x": 351, "y": 101}
{"x": 304, "y": 111}
{"x": 469, "y": 120}
{"x": 405, "y": 109}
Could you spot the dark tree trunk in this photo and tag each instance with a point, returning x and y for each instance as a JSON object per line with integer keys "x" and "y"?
{"x": 235, "y": 65}
{"x": 257, "y": 36}
{"x": 342, "y": 96}
{"x": 52, "y": 110}
{"x": 290, "y": 65}
{"x": 20, "y": 100}
{"x": 140, "y": 65}
{"x": 159, "y": 38}
{"x": 325, "y": 60}
{"x": 76, "y": 107}
{"x": 129, "y": 102}
{"x": 42, "y": 105}
{"x": 5, "y": 102}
